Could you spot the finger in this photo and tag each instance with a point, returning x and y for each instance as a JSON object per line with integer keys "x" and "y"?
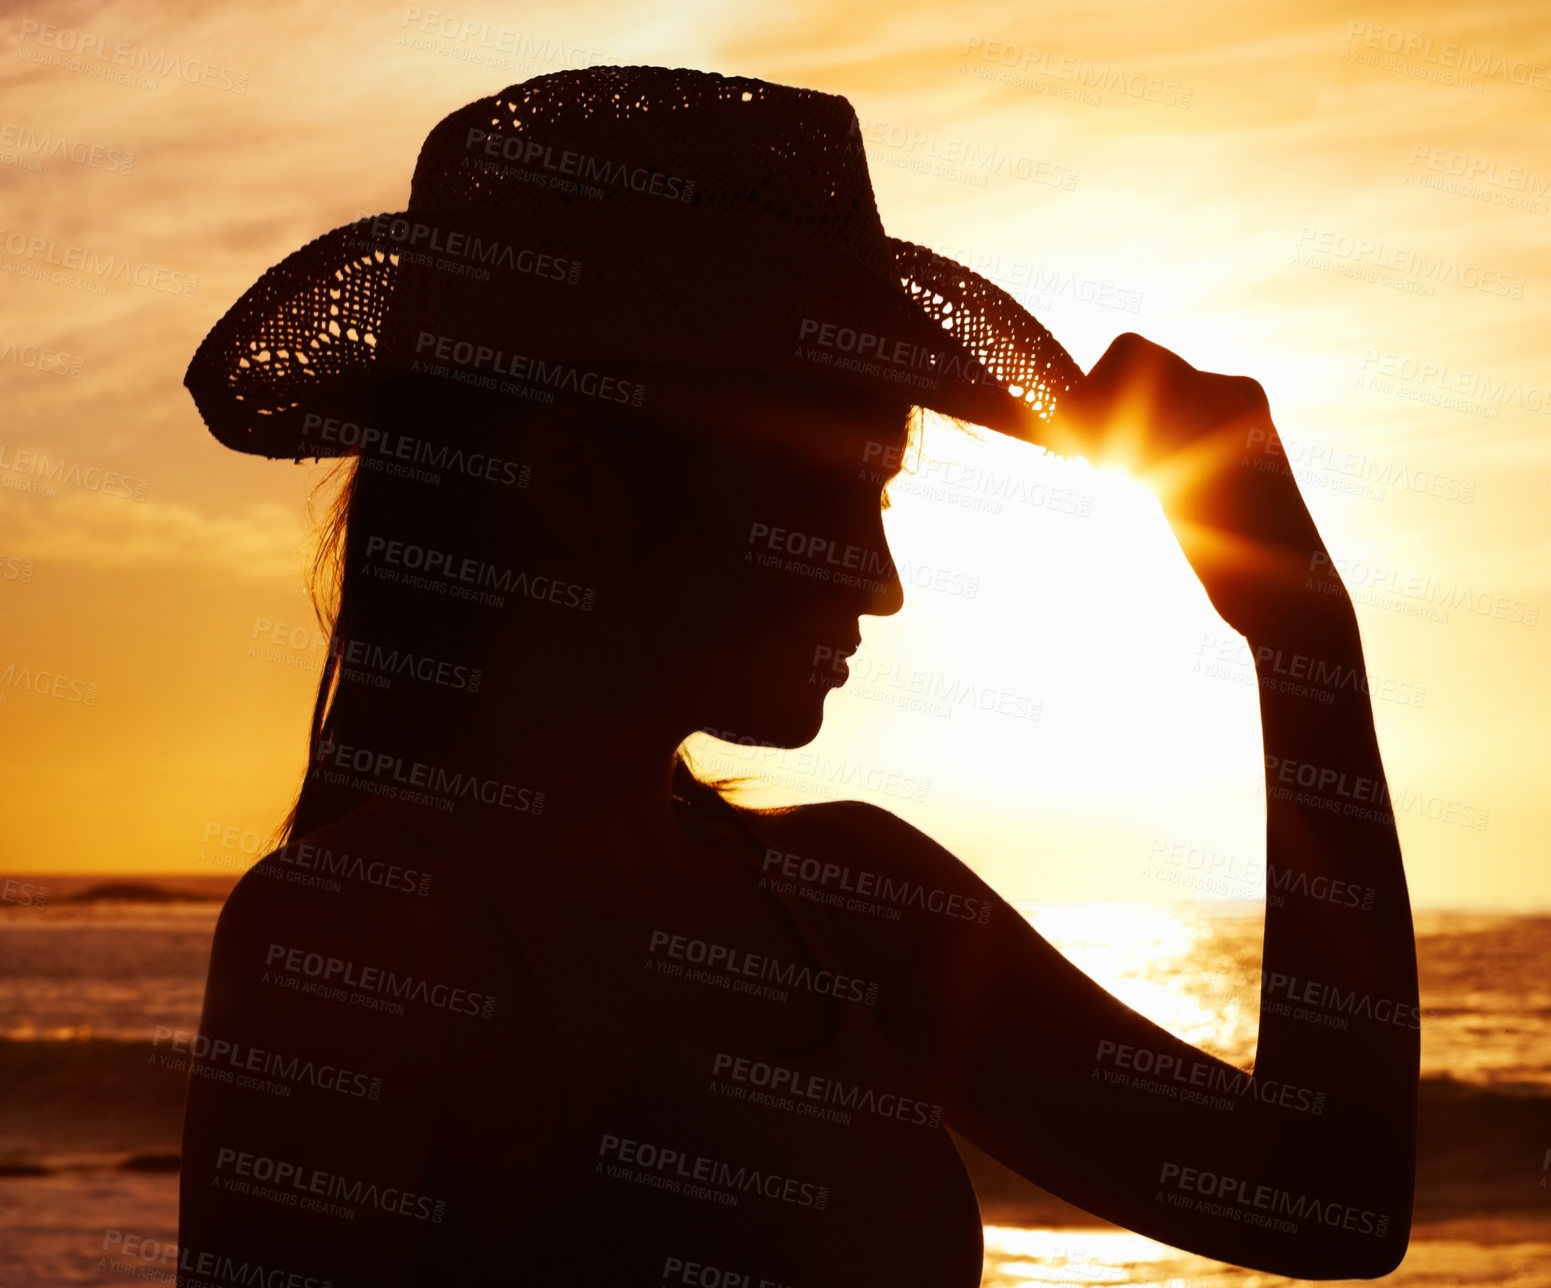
{"x": 1122, "y": 409}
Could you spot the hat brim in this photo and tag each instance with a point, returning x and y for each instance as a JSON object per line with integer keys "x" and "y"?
{"x": 560, "y": 304}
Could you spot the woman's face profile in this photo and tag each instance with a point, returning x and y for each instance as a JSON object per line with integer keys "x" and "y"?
{"x": 740, "y": 565}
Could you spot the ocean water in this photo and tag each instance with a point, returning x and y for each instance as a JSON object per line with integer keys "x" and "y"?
{"x": 89, "y": 1125}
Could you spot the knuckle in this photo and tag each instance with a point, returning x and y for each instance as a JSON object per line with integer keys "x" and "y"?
{"x": 1127, "y": 349}
{"x": 1246, "y": 390}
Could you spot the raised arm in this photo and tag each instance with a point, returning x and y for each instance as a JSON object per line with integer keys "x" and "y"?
{"x": 1339, "y": 983}
{"x": 1306, "y": 1167}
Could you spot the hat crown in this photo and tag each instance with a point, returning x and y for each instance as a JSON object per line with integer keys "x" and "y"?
{"x": 622, "y": 216}
{"x": 699, "y": 141}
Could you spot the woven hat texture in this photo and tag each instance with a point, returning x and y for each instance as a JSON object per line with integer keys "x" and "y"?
{"x": 590, "y": 219}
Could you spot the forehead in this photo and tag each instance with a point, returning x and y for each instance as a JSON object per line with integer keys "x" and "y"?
{"x": 813, "y": 425}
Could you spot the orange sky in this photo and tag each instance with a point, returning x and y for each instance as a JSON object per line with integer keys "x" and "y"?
{"x": 1353, "y": 207}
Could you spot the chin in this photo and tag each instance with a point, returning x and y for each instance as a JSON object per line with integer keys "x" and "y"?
{"x": 784, "y": 719}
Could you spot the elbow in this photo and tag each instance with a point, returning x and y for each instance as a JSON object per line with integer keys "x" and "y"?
{"x": 1385, "y": 1261}
{"x": 1384, "y": 1258}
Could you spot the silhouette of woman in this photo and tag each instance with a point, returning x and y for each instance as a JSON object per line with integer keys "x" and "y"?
{"x": 521, "y": 998}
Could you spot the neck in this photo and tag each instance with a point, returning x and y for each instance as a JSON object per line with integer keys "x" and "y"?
{"x": 533, "y": 758}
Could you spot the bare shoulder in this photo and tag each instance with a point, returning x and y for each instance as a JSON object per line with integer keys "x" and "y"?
{"x": 364, "y": 927}
{"x": 357, "y": 1020}
{"x": 852, "y": 854}
{"x": 857, "y": 825}
{"x": 363, "y": 879}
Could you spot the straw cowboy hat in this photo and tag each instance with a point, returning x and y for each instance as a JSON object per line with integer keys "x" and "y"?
{"x": 588, "y": 219}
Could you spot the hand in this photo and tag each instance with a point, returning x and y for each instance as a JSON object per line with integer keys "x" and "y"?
{"x": 1206, "y": 445}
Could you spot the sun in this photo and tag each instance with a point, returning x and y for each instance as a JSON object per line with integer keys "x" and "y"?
{"x": 1064, "y": 681}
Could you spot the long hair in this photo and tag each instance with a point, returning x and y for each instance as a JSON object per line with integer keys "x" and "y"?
{"x": 443, "y": 482}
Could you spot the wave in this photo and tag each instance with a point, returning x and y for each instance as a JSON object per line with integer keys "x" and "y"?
{"x": 134, "y": 892}
{"x": 105, "y": 1103}
{"x": 1480, "y": 1151}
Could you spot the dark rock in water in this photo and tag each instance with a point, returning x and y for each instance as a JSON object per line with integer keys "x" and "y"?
{"x": 131, "y": 892}
{"x": 150, "y": 1163}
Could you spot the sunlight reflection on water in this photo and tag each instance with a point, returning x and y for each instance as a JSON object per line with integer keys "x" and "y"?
{"x": 1020, "y": 1258}
{"x": 1191, "y": 972}
{"x": 1500, "y": 1252}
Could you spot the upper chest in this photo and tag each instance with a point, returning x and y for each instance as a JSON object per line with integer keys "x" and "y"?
{"x": 720, "y": 1084}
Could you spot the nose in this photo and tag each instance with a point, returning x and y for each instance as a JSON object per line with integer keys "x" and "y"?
{"x": 888, "y": 594}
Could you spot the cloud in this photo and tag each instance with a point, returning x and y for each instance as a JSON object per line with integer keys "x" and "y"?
{"x": 261, "y": 543}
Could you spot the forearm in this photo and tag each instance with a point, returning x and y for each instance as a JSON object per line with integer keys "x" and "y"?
{"x": 1339, "y": 1003}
